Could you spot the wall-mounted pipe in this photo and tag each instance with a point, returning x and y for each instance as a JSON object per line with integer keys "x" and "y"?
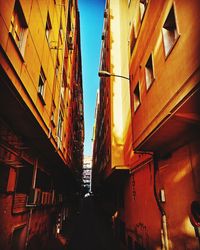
{"x": 164, "y": 233}
{"x": 31, "y": 209}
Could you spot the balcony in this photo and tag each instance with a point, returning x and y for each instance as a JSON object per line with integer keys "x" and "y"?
{"x": 179, "y": 126}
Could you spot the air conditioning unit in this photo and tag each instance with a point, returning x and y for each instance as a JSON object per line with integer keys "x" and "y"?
{"x": 34, "y": 197}
{"x": 70, "y": 43}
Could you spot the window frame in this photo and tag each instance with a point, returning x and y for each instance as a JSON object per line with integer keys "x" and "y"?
{"x": 135, "y": 105}
{"x": 18, "y": 30}
{"x": 149, "y": 71}
{"x": 26, "y": 170}
{"x": 141, "y": 4}
{"x": 133, "y": 38}
{"x": 53, "y": 111}
{"x": 4, "y": 178}
{"x": 48, "y": 28}
{"x": 41, "y": 85}
{"x": 57, "y": 68}
{"x": 60, "y": 125}
{"x": 176, "y": 33}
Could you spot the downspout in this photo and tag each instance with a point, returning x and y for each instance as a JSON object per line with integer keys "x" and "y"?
{"x": 164, "y": 234}
{"x": 31, "y": 209}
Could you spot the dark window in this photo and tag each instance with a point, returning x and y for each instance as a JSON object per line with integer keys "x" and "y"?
{"x": 143, "y": 6}
{"x": 61, "y": 34}
{"x": 48, "y": 28}
{"x": 24, "y": 179}
{"x": 57, "y": 67}
{"x": 41, "y": 85}
{"x": 53, "y": 114}
{"x": 69, "y": 25}
{"x": 132, "y": 39}
{"x": 149, "y": 72}
{"x": 136, "y": 97}
{"x": 170, "y": 32}
{"x": 4, "y": 174}
{"x": 43, "y": 181}
{"x": 60, "y": 126}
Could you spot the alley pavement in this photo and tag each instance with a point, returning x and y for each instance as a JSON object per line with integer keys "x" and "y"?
{"x": 92, "y": 229}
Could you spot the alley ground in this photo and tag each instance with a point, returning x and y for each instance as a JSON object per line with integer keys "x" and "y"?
{"x": 92, "y": 229}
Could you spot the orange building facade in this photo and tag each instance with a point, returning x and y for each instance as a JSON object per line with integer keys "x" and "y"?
{"x": 154, "y": 178}
{"x": 41, "y": 119}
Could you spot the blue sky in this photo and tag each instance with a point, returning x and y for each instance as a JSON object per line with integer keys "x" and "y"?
{"x": 91, "y": 18}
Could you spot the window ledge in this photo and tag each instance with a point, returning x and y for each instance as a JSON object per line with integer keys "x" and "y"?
{"x": 150, "y": 85}
{"x": 135, "y": 110}
{"x": 169, "y": 52}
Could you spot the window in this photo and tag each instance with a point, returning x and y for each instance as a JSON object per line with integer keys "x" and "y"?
{"x": 24, "y": 180}
{"x": 41, "y": 85}
{"x": 69, "y": 25}
{"x": 53, "y": 114}
{"x": 133, "y": 39}
{"x": 136, "y": 97}
{"x": 70, "y": 42}
{"x": 60, "y": 126}
{"x": 18, "y": 27}
{"x": 4, "y": 175}
{"x": 143, "y": 6}
{"x": 43, "y": 181}
{"x": 170, "y": 32}
{"x": 61, "y": 34}
{"x": 62, "y": 91}
{"x": 149, "y": 72}
{"x": 48, "y": 28}
{"x": 57, "y": 67}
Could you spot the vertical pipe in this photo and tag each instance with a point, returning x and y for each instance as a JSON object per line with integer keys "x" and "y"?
{"x": 35, "y": 173}
{"x": 164, "y": 234}
{"x": 162, "y": 239}
{"x": 31, "y": 209}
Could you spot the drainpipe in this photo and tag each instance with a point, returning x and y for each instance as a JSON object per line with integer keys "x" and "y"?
{"x": 31, "y": 209}
{"x": 164, "y": 234}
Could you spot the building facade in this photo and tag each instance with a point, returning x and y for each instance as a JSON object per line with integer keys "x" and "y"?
{"x": 87, "y": 173}
{"x": 41, "y": 119}
{"x": 158, "y": 202}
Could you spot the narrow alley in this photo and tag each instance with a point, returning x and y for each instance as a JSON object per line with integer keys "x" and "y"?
{"x": 90, "y": 228}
